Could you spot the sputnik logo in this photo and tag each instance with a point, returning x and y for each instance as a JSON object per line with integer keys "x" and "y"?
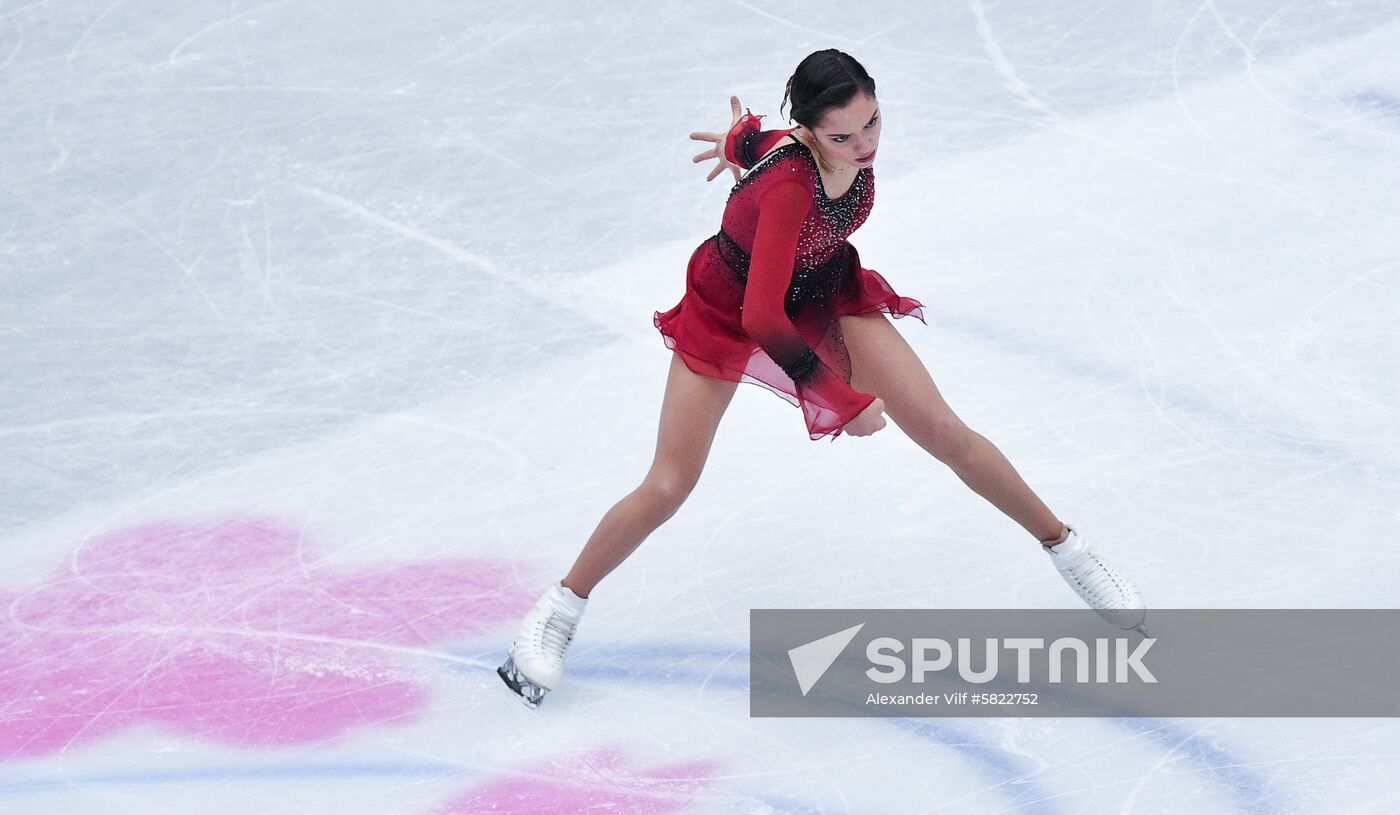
{"x": 811, "y": 661}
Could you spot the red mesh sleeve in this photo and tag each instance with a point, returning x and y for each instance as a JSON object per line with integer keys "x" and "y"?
{"x": 828, "y": 402}
{"x": 746, "y": 144}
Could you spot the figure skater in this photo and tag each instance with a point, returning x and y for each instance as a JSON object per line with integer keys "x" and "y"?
{"x": 778, "y": 298}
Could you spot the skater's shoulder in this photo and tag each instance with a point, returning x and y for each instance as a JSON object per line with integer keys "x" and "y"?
{"x": 789, "y": 159}
{"x": 783, "y": 144}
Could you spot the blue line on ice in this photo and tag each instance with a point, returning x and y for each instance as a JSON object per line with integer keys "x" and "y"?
{"x": 1253, "y": 791}
{"x": 727, "y": 668}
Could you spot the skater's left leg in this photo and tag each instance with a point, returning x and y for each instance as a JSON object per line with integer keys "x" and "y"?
{"x": 883, "y": 364}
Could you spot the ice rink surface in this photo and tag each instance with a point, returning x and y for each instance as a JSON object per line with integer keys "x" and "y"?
{"x": 326, "y": 339}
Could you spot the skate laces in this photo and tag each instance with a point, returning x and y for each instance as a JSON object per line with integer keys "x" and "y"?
{"x": 556, "y": 633}
{"x": 1096, "y": 580}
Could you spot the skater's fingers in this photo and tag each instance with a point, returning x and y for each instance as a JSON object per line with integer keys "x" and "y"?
{"x": 701, "y": 136}
{"x": 716, "y": 171}
{"x": 706, "y": 155}
{"x": 735, "y": 107}
{"x": 736, "y": 173}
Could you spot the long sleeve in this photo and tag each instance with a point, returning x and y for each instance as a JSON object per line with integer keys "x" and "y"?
{"x": 828, "y": 401}
{"x": 745, "y": 143}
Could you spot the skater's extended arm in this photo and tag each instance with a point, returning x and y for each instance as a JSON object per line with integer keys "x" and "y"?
{"x": 828, "y": 401}
{"x": 741, "y": 146}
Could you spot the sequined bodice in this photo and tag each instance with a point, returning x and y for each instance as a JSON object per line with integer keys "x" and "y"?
{"x": 765, "y": 294}
{"x": 827, "y": 226}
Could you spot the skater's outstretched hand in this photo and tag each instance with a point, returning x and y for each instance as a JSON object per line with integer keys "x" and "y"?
{"x": 870, "y": 420}
{"x": 717, "y": 153}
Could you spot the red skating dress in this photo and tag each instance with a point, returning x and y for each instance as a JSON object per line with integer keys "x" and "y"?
{"x": 763, "y": 295}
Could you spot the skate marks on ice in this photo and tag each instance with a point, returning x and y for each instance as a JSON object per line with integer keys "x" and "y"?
{"x": 225, "y": 579}
{"x": 598, "y": 778}
{"x": 231, "y": 630}
{"x": 237, "y": 631}
{"x": 602, "y": 779}
{"x": 1018, "y": 780}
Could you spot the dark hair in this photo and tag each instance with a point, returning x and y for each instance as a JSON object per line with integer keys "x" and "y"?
{"x": 824, "y": 80}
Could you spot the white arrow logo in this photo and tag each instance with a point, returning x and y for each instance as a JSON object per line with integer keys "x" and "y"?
{"x": 810, "y": 661}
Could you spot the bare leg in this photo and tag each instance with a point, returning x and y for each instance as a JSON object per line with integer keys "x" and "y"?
{"x": 690, "y": 413}
{"x": 882, "y": 363}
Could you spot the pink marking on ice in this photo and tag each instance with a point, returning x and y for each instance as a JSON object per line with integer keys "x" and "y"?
{"x": 599, "y": 780}
{"x": 230, "y": 630}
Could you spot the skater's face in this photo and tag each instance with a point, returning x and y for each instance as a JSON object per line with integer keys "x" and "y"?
{"x": 848, "y": 135}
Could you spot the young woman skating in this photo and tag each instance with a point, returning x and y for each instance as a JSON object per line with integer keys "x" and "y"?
{"x": 778, "y": 298}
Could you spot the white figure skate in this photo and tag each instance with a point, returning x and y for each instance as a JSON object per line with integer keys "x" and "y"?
{"x": 1106, "y": 591}
{"x": 535, "y": 663}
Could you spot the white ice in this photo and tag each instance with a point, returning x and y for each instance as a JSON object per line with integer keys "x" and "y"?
{"x": 386, "y": 273}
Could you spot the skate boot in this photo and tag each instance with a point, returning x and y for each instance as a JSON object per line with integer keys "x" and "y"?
{"x": 535, "y": 663}
{"x": 1106, "y": 591}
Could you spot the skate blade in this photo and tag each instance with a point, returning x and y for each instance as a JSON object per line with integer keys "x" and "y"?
{"x": 1125, "y": 618}
{"x": 528, "y": 692}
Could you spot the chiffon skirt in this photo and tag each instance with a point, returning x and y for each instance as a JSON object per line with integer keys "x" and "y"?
{"x": 704, "y": 328}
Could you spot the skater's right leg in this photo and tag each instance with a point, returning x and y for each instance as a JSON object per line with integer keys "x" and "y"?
{"x": 691, "y": 410}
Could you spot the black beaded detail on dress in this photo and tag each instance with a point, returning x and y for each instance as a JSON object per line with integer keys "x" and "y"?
{"x": 803, "y": 367}
{"x": 808, "y": 282}
{"x": 821, "y": 268}
{"x": 746, "y": 148}
{"x": 733, "y": 254}
{"x": 842, "y": 210}
{"x": 806, "y": 362}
